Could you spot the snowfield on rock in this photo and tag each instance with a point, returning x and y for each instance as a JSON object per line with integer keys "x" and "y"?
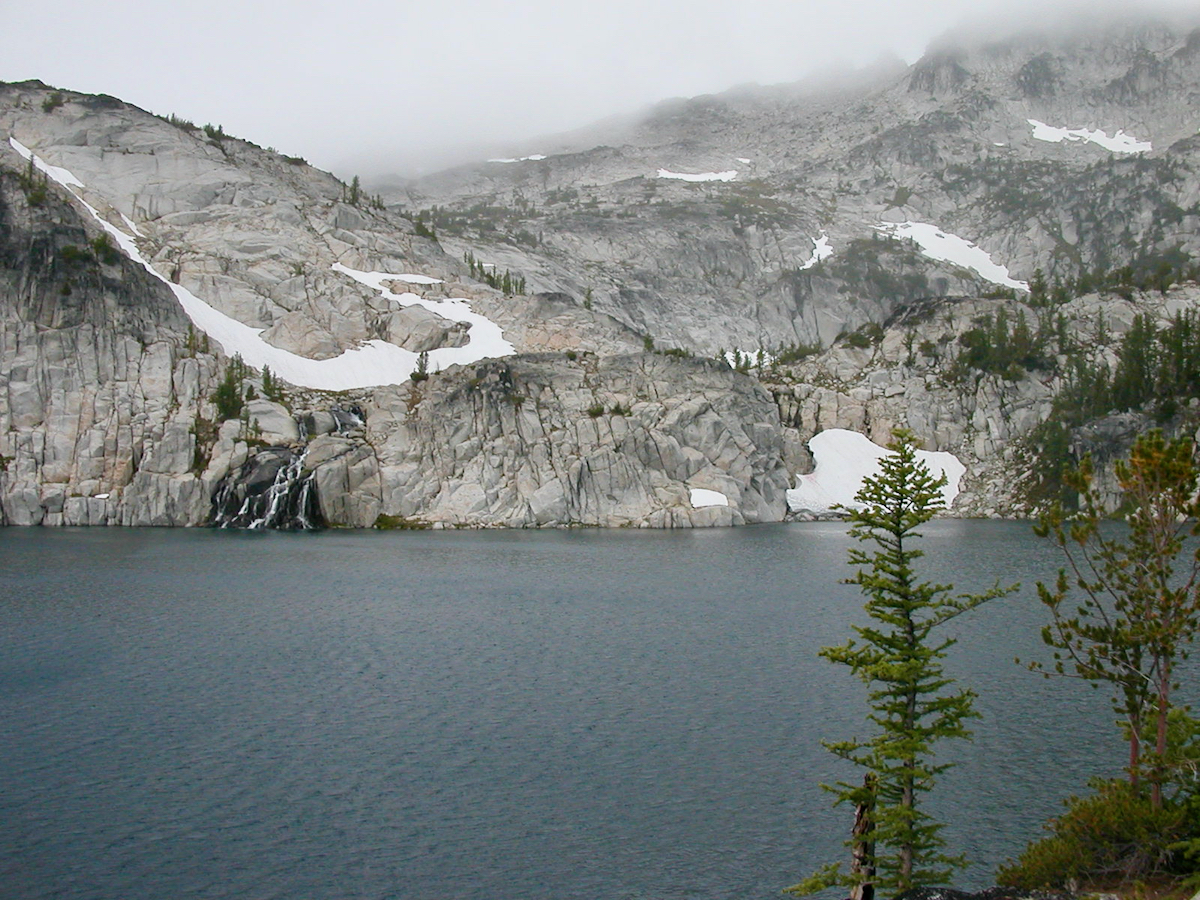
{"x": 702, "y": 497}
{"x": 703, "y": 176}
{"x": 372, "y": 364}
{"x": 843, "y": 459}
{"x": 822, "y": 249}
{"x": 940, "y": 245}
{"x": 1117, "y": 143}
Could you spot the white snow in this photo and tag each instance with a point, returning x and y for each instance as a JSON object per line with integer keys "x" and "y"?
{"x": 132, "y": 225}
{"x": 371, "y": 364}
{"x": 703, "y": 176}
{"x": 517, "y": 159}
{"x": 702, "y": 498}
{"x": 937, "y": 244}
{"x": 844, "y": 458}
{"x": 821, "y": 250}
{"x": 487, "y": 338}
{"x": 742, "y": 160}
{"x": 102, "y": 496}
{"x": 1117, "y": 143}
{"x": 62, "y": 176}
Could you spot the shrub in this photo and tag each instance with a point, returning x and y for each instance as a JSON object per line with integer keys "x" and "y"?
{"x": 596, "y": 410}
{"x": 71, "y": 254}
{"x": 1114, "y": 834}
{"x": 53, "y": 102}
{"x": 105, "y": 250}
{"x": 399, "y": 523}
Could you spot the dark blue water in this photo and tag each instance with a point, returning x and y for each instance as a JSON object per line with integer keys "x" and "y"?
{"x": 481, "y": 715}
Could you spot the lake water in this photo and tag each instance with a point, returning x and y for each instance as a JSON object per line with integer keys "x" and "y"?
{"x": 495, "y": 715}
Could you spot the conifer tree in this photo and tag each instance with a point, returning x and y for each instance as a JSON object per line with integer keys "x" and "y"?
{"x": 913, "y": 703}
{"x": 1121, "y": 613}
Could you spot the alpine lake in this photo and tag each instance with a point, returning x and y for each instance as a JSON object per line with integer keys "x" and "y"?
{"x": 487, "y": 714}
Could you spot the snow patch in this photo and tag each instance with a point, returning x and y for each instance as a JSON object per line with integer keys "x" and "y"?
{"x": 517, "y": 159}
{"x": 1117, "y": 143}
{"x": 844, "y": 458}
{"x": 62, "y": 176}
{"x": 703, "y": 176}
{"x": 821, "y": 250}
{"x": 369, "y": 365}
{"x": 132, "y": 225}
{"x": 702, "y": 498}
{"x": 742, "y": 160}
{"x": 937, "y": 244}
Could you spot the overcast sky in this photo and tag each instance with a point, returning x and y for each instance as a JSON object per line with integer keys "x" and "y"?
{"x": 375, "y": 86}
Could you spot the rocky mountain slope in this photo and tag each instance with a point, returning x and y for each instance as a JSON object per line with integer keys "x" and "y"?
{"x": 195, "y": 329}
{"x": 982, "y": 140}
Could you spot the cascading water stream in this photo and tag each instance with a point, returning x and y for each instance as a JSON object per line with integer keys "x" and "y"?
{"x": 271, "y": 490}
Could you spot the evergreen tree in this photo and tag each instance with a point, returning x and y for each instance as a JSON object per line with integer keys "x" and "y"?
{"x": 912, "y": 701}
{"x": 1121, "y": 615}
{"x": 228, "y": 396}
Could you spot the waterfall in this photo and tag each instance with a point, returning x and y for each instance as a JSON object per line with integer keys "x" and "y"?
{"x": 270, "y": 490}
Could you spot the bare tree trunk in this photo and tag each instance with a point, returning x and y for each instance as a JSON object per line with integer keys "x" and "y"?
{"x": 862, "y": 866}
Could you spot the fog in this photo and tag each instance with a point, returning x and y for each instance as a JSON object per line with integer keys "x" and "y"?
{"x": 374, "y": 87}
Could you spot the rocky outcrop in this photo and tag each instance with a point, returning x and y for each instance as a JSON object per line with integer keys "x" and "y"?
{"x": 99, "y": 393}
{"x": 913, "y": 374}
{"x": 548, "y": 440}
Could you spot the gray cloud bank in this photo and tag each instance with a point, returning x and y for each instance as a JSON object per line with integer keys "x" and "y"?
{"x": 373, "y": 87}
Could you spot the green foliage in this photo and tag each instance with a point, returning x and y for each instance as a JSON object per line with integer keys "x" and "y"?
{"x": 596, "y": 410}
{"x": 899, "y": 656}
{"x": 215, "y": 133}
{"x": 181, "y": 124}
{"x": 676, "y": 352}
{"x": 421, "y": 373}
{"x": 864, "y": 336}
{"x": 228, "y": 397}
{"x": 507, "y": 283}
{"x": 1115, "y": 834}
{"x": 272, "y": 389}
{"x": 1053, "y": 460}
{"x": 619, "y": 410}
{"x": 647, "y": 343}
{"x": 105, "y": 250}
{"x": 34, "y": 184}
{"x": 399, "y": 523}
{"x": 795, "y": 353}
{"x": 72, "y": 255}
{"x": 1004, "y": 347}
{"x": 53, "y": 102}
{"x": 1121, "y": 614}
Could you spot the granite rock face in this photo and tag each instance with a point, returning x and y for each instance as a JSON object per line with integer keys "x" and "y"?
{"x": 611, "y": 441}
